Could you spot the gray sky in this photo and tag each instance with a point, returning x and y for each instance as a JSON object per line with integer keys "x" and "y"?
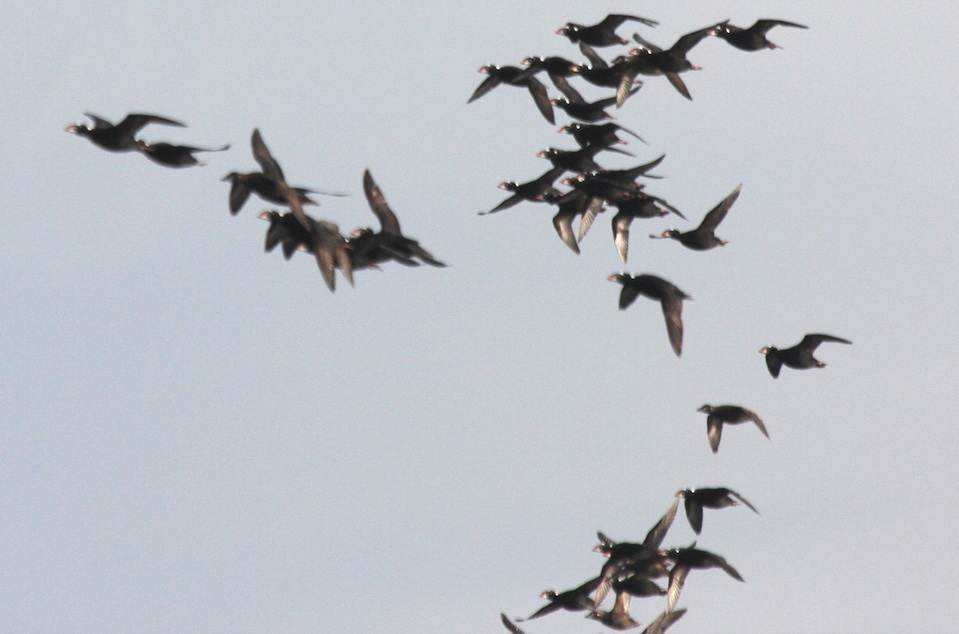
{"x": 199, "y": 437}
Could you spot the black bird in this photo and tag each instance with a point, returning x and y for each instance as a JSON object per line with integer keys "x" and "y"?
{"x": 601, "y": 134}
{"x": 713, "y": 498}
{"x": 175, "y": 155}
{"x": 673, "y": 59}
{"x": 533, "y": 190}
{"x": 638, "y": 586}
{"x": 799, "y": 356}
{"x": 703, "y": 238}
{"x": 602, "y": 33}
{"x": 753, "y": 38}
{"x": 319, "y": 237}
{"x": 120, "y": 137}
{"x": 666, "y": 293}
{"x": 599, "y": 192}
{"x": 727, "y": 414}
{"x": 515, "y": 76}
{"x": 570, "y": 205}
{"x": 578, "y": 108}
{"x": 557, "y": 68}
{"x": 581, "y": 160}
{"x": 687, "y": 558}
{"x": 572, "y": 600}
{"x": 270, "y": 184}
{"x": 389, "y": 242}
{"x": 287, "y": 231}
{"x": 639, "y": 206}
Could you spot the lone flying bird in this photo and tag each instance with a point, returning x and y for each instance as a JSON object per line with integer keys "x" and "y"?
{"x": 753, "y": 38}
{"x": 714, "y": 498}
{"x": 666, "y": 293}
{"x": 799, "y": 356}
{"x": 703, "y": 237}
{"x": 718, "y": 415}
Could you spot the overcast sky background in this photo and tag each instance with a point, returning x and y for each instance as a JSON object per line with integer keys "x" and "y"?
{"x": 199, "y": 437}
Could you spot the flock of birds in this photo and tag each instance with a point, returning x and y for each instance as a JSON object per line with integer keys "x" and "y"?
{"x": 294, "y": 230}
{"x": 630, "y": 569}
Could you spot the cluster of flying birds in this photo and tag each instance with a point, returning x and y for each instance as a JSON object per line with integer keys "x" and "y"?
{"x": 293, "y": 230}
{"x": 631, "y": 568}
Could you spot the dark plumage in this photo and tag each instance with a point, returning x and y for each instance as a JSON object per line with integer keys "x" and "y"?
{"x": 703, "y": 238}
{"x": 663, "y": 622}
{"x": 686, "y": 559}
{"x": 673, "y": 59}
{"x": 666, "y": 293}
{"x": 270, "y": 184}
{"x": 534, "y": 190}
{"x": 175, "y": 155}
{"x": 515, "y": 76}
{"x": 287, "y": 231}
{"x": 714, "y": 498}
{"x": 618, "y": 618}
{"x": 509, "y": 625}
{"x": 753, "y": 38}
{"x": 626, "y": 558}
{"x": 603, "y": 134}
{"x": 120, "y": 137}
{"x": 602, "y": 33}
{"x": 572, "y": 600}
{"x": 799, "y": 356}
{"x": 389, "y": 243}
{"x": 719, "y": 415}
{"x": 578, "y": 108}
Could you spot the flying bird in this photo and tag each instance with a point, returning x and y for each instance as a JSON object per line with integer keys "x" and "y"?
{"x": 686, "y": 559}
{"x": 602, "y": 33}
{"x": 713, "y": 498}
{"x": 666, "y": 293}
{"x": 572, "y": 600}
{"x": 703, "y": 237}
{"x": 515, "y": 76}
{"x": 534, "y": 190}
{"x": 388, "y": 243}
{"x": 800, "y": 356}
{"x": 718, "y": 415}
{"x": 120, "y": 137}
{"x": 753, "y": 38}
{"x": 175, "y": 155}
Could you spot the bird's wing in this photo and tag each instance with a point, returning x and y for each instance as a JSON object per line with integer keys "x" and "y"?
{"x": 677, "y": 577}
{"x": 509, "y": 625}
{"x": 658, "y": 532}
{"x": 263, "y": 157}
{"x": 133, "y": 122}
{"x": 378, "y": 204}
{"x": 487, "y": 85}
{"x": 714, "y": 431}
{"x": 763, "y": 26}
{"x": 541, "y": 98}
{"x": 743, "y": 500}
{"x": 673, "y": 311}
{"x": 811, "y": 342}
{"x": 694, "y": 510}
{"x": 717, "y": 213}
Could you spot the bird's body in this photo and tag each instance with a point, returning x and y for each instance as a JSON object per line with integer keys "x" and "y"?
{"x": 515, "y": 76}
{"x": 685, "y": 560}
{"x": 573, "y": 600}
{"x": 534, "y": 190}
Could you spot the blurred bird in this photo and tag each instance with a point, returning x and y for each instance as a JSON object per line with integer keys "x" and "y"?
{"x": 572, "y": 600}
{"x": 666, "y": 293}
{"x": 120, "y": 137}
{"x": 515, "y": 76}
{"x": 703, "y": 238}
{"x": 713, "y": 498}
{"x": 718, "y": 415}
{"x": 686, "y": 559}
{"x": 800, "y": 356}
{"x": 175, "y": 155}
{"x": 753, "y": 38}
{"x": 602, "y": 33}
{"x": 389, "y": 243}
